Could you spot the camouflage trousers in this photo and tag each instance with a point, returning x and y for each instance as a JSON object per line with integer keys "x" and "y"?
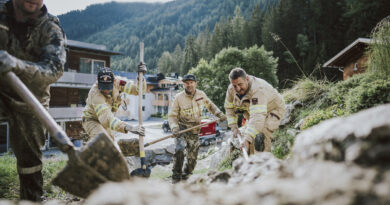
{"x": 186, "y": 142}
{"x": 26, "y": 139}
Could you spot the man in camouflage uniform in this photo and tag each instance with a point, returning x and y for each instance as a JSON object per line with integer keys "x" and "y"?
{"x": 262, "y": 106}
{"x": 103, "y": 101}
{"x": 186, "y": 112}
{"x": 31, "y": 46}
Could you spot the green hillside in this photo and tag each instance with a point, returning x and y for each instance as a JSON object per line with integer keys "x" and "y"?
{"x": 162, "y": 26}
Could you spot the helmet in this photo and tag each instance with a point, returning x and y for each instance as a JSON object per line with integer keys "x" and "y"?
{"x": 105, "y": 79}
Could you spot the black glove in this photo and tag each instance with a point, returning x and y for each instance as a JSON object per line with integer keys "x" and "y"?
{"x": 259, "y": 142}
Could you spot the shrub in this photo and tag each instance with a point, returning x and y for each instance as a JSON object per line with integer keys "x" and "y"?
{"x": 368, "y": 95}
{"x": 321, "y": 115}
{"x": 306, "y": 90}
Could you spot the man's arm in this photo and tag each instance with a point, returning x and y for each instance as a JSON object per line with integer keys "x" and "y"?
{"x": 129, "y": 87}
{"x": 51, "y": 64}
{"x": 173, "y": 115}
{"x": 213, "y": 108}
{"x": 106, "y": 117}
{"x": 229, "y": 108}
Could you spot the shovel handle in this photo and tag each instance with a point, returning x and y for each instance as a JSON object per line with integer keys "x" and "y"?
{"x": 140, "y": 93}
{"x": 43, "y": 115}
{"x": 244, "y": 152}
{"x": 180, "y": 132}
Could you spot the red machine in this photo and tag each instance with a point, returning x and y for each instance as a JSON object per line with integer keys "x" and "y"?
{"x": 210, "y": 129}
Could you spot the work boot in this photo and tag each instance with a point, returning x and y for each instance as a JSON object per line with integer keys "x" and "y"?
{"x": 176, "y": 179}
{"x": 259, "y": 142}
{"x": 185, "y": 176}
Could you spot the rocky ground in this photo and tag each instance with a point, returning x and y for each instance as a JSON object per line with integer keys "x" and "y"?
{"x": 339, "y": 161}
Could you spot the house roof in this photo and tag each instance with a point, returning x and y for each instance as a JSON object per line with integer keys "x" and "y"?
{"x": 352, "y": 51}
{"x": 150, "y": 78}
{"x": 83, "y": 46}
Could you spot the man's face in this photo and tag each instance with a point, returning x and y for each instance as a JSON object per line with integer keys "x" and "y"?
{"x": 106, "y": 92}
{"x": 240, "y": 85}
{"x": 190, "y": 86}
{"x": 28, "y": 7}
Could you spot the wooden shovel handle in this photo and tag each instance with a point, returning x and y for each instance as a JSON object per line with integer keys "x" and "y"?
{"x": 181, "y": 132}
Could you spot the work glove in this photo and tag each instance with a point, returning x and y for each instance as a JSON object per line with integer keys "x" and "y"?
{"x": 175, "y": 131}
{"x": 142, "y": 67}
{"x": 7, "y": 62}
{"x": 236, "y": 131}
{"x": 139, "y": 130}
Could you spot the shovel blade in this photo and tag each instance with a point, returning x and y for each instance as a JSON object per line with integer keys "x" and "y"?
{"x": 129, "y": 147}
{"x": 96, "y": 163}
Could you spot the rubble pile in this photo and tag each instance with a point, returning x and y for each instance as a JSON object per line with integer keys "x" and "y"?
{"x": 340, "y": 161}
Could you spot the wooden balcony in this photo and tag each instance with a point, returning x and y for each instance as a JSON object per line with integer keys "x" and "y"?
{"x": 63, "y": 114}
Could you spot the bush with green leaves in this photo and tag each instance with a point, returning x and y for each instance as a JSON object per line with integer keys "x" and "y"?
{"x": 318, "y": 116}
{"x": 213, "y": 77}
{"x": 368, "y": 95}
{"x": 306, "y": 90}
{"x": 379, "y": 50}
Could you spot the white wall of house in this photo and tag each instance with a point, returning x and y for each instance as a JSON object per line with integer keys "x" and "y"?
{"x": 129, "y": 109}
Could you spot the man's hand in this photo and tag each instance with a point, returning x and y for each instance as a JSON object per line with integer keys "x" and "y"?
{"x": 236, "y": 132}
{"x": 175, "y": 131}
{"x": 142, "y": 67}
{"x": 246, "y": 145}
{"x": 7, "y": 62}
{"x": 140, "y": 130}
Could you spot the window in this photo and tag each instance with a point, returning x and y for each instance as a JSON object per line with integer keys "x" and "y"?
{"x": 88, "y": 65}
{"x": 143, "y": 108}
{"x": 165, "y": 96}
{"x": 143, "y": 97}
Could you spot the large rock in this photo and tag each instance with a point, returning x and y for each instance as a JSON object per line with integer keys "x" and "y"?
{"x": 363, "y": 138}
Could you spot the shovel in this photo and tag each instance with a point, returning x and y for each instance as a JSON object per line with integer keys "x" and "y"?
{"x": 244, "y": 152}
{"x": 129, "y": 146}
{"x": 180, "y": 132}
{"x": 144, "y": 171}
{"x": 98, "y": 162}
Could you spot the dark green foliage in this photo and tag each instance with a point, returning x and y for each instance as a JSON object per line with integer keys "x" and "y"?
{"x": 368, "y": 94}
{"x": 121, "y": 26}
{"x": 282, "y": 143}
{"x": 214, "y": 78}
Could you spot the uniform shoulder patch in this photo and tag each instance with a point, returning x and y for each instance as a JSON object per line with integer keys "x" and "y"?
{"x": 199, "y": 99}
{"x": 122, "y": 83}
{"x": 254, "y": 101}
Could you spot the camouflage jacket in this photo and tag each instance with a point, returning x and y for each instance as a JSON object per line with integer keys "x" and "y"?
{"x": 102, "y": 108}
{"x": 39, "y": 44}
{"x": 187, "y": 109}
{"x": 260, "y": 100}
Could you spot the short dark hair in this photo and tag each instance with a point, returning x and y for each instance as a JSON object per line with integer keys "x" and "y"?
{"x": 236, "y": 73}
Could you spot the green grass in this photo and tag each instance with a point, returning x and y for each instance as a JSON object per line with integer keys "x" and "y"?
{"x": 9, "y": 180}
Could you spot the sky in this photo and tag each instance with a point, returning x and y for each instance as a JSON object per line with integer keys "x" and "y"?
{"x": 58, "y": 7}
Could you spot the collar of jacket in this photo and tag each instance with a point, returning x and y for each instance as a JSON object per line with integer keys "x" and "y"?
{"x": 189, "y": 95}
{"x": 8, "y": 9}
